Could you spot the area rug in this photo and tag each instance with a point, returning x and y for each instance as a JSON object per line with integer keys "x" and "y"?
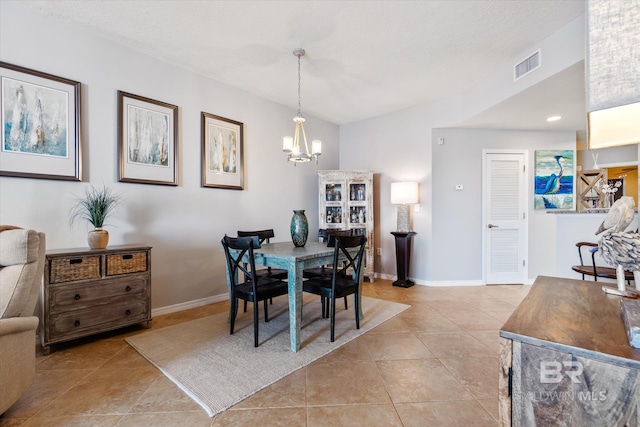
{"x": 218, "y": 370}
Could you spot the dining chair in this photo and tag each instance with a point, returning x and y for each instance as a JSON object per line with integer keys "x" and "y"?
{"x": 264, "y": 236}
{"x": 253, "y": 288}
{"x": 326, "y": 270}
{"x": 344, "y": 280}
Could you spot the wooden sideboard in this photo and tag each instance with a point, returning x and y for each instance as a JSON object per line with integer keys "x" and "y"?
{"x": 91, "y": 291}
{"x": 565, "y": 359}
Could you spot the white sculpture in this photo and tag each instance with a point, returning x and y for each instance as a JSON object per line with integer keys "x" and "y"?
{"x": 619, "y": 248}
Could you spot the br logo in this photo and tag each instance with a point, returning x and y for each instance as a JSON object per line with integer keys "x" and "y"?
{"x": 552, "y": 372}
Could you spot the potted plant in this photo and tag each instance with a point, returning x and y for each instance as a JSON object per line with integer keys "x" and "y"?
{"x": 95, "y": 206}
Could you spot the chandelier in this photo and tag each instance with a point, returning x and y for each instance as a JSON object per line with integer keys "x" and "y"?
{"x": 291, "y": 145}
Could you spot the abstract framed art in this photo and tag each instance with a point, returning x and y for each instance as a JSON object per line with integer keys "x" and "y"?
{"x": 147, "y": 140}
{"x": 222, "y": 153}
{"x": 554, "y": 179}
{"x": 40, "y": 125}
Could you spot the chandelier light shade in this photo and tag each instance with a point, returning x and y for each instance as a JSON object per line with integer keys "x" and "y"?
{"x": 404, "y": 194}
{"x": 613, "y": 72}
{"x": 291, "y": 144}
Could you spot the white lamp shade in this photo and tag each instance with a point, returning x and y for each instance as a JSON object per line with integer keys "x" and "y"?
{"x": 316, "y": 146}
{"x": 614, "y": 126}
{"x": 404, "y": 193}
{"x": 287, "y": 144}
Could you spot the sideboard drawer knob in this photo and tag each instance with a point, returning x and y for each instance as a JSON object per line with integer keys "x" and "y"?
{"x": 128, "y": 312}
{"x": 76, "y": 323}
{"x": 76, "y": 297}
{"x": 128, "y": 289}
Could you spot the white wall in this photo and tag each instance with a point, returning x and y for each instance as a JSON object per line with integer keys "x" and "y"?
{"x": 184, "y": 224}
{"x": 627, "y": 154}
{"x": 399, "y": 147}
{"x": 457, "y": 215}
{"x": 571, "y": 229}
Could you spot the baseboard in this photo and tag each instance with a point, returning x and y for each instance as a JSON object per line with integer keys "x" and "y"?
{"x": 189, "y": 304}
{"x": 434, "y": 283}
{"x": 453, "y": 283}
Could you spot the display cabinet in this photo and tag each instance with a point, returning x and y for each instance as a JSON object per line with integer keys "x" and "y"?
{"x": 346, "y": 203}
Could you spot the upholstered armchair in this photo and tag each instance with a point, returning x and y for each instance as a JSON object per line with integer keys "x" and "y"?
{"x": 22, "y": 255}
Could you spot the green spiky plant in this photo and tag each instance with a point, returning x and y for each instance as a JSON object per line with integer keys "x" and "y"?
{"x": 95, "y": 207}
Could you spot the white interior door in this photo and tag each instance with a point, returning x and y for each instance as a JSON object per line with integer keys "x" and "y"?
{"x": 505, "y": 222}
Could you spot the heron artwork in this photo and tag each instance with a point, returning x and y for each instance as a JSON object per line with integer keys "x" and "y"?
{"x": 621, "y": 248}
{"x": 553, "y": 183}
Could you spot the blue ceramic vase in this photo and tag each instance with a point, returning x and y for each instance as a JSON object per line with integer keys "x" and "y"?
{"x": 299, "y": 228}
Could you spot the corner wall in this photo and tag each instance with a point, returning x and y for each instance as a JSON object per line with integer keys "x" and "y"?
{"x": 400, "y": 147}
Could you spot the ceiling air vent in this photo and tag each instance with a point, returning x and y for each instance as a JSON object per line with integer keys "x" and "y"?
{"x": 531, "y": 63}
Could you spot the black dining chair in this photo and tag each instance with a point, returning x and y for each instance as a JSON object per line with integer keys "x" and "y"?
{"x": 253, "y": 288}
{"x": 326, "y": 270}
{"x": 264, "y": 236}
{"x": 344, "y": 280}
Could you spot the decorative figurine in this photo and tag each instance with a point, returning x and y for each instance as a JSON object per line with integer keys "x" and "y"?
{"x": 619, "y": 248}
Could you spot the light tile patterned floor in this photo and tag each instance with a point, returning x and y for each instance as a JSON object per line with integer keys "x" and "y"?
{"x": 435, "y": 364}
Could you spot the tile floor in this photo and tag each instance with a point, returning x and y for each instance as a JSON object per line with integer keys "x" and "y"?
{"x": 435, "y": 364}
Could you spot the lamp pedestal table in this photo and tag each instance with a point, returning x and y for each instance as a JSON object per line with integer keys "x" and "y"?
{"x": 403, "y": 257}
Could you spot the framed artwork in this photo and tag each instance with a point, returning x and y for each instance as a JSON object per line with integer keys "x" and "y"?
{"x": 40, "y": 125}
{"x": 554, "y": 179}
{"x": 222, "y": 153}
{"x": 147, "y": 140}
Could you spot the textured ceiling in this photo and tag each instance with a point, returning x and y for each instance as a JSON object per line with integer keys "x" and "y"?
{"x": 364, "y": 58}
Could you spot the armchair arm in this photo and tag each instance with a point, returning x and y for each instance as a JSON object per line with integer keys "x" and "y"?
{"x": 15, "y": 325}
{"x": 17, "y": 358}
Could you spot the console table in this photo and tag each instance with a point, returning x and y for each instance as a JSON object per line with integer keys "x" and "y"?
{"x": 90, "y": 291}
{"x": 565, "y": 359}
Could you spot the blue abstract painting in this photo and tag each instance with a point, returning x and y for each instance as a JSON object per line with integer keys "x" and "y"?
{"x": 148, "y": 142}
{"x": 554, "y": 179}
{"x": 34, "y": 119}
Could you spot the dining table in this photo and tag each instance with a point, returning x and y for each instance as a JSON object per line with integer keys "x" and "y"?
{"x": 295, "y": 260}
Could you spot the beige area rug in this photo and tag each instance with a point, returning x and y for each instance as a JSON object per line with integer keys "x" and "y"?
{"x": 218, "y": 370}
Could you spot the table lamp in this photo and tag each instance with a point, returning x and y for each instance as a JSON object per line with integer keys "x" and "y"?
{"x": 404, "y": 194}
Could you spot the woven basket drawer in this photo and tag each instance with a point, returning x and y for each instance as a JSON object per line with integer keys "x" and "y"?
{"x": 71, "y": 269}
{"x": 133, "y": 262}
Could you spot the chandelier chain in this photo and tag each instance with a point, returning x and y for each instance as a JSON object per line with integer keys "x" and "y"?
{"x": 299, "y": 108}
